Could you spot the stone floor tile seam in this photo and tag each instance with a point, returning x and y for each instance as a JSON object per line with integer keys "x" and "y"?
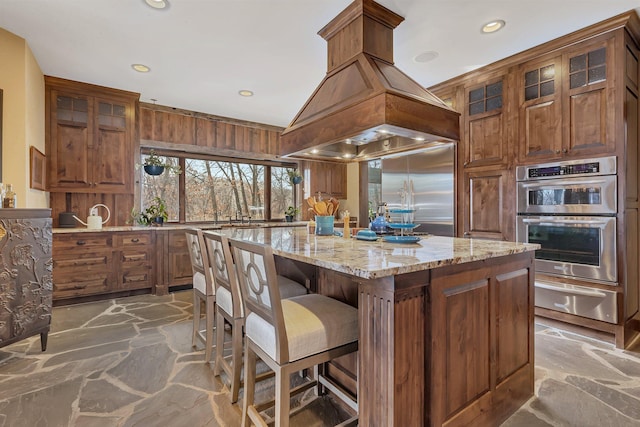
{"x": 612, "y": 367}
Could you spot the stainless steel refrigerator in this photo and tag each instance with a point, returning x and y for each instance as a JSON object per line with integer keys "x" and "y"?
{"x": 422, "y": 180}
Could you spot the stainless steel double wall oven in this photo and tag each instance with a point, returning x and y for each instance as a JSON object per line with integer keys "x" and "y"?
{"x": 569, "y": 208}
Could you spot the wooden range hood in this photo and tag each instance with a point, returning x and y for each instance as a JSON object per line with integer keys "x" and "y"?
{"x": 365, "y": 107}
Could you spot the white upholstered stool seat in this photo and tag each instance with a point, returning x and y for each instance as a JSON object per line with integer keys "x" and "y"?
{"x": 288, "y": 335}
{"x": 314, "y": 323}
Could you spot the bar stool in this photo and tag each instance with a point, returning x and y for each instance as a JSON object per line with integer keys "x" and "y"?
{"x": 203, "y": 291}
{"x": 288, "y": 335}
{"x": 230, "y": 308}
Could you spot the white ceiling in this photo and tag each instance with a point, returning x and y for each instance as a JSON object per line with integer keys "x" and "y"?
{"x": 201, "y": 52}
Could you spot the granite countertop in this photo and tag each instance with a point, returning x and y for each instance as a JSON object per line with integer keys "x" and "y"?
{"x": 375, "y": 259}
{"x": 175, "y": 226}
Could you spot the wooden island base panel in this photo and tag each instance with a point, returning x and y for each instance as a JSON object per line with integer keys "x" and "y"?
{"x": 446, "y": 324}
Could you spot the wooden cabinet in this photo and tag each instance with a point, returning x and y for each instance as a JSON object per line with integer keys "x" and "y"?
{"x": 484, "y": 136}
{"x": 589, "y": 112}
{"x": 179, "y": 263}
{"x": 25, "y": 283}
{"x": 487, "y": 203}
{"x": 567, "y": 103}
{"x": 135, "y": 252}
{"x": 92, "y": 263}
{"x": 486, "y": 197}
{"x": 539, "y": 85}
{"x": 82, "y": 264}
{"x": 328, "y": 178}
{"x": 481, "y": 319}
{"x": 89, "y": 135}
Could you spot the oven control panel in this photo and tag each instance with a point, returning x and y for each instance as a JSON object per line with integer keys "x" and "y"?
{"x": 601, "y": 166}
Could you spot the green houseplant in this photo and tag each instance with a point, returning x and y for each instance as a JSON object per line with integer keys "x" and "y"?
{"x": 154, "y": 165}
{"x": 290, "y": 213}
{"x": 154, "y": 214}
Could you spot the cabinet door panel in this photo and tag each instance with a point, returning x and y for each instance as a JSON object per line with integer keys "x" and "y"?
{"x": 487, "y": 206}
{"x": 512, "y": 305}
{"x": 70, "y": 158}
{"x": 485, "y": 140}
{"x": 542, "y": 136}
{"x": 588, "y": 120}
{"x": 111, "y": 165}
{"x": 467, "y": 348}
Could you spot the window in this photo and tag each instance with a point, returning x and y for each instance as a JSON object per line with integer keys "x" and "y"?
{"x": 165, "y": 186}
{"x": 217, "y": 189}
{"x": 282, "y": 194}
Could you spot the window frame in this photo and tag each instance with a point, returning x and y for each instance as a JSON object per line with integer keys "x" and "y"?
{"x": 182, "y": 156}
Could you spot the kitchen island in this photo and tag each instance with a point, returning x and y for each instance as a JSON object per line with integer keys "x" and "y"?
{"x": 446, "y": 324}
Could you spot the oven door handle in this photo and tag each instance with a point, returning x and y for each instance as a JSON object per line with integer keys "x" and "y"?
{"x": 564, "y": 221}
{"x": 565, "y": 183}
{"x": 574, "y": 291}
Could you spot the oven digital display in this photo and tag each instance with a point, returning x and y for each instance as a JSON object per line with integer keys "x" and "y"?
{"x": 563, "y": 170}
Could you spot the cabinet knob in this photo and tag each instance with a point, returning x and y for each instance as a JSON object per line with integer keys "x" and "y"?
{"x": 565, "y": 150}
{"x": 466, "y": 234}
{"x": 81, "y": 242}
{"x": 557, "y": 151}
{"x": 136, "y": 240}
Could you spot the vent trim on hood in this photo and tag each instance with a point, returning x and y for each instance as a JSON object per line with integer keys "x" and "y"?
{"x": 364, "y": 98}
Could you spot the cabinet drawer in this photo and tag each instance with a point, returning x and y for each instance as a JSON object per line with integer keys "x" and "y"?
{"x": 88, "y": 262}
{"x": 136, "y": 278}
{"x": 81, "y": 241}
{"x": 69, "y": 285}
{"x": 135, "y": 239}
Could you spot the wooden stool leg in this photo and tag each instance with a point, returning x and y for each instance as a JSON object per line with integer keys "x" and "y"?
{"x": 196, "y": 318}
{"x": 210, "y": 321}
{"x": 236, "y": 359}
{"x": 249, "y": 383}
{"x": 283, "y": 398}
{"x": 219, "y": 343}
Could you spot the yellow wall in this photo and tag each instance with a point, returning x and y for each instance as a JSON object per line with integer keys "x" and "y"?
{"x": 22, "y": 82}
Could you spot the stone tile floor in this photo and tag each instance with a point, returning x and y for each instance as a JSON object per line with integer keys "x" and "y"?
{"x": 129, "y": 362}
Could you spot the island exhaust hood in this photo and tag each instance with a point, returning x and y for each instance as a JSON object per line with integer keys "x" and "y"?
{"x": 365, "y": 107}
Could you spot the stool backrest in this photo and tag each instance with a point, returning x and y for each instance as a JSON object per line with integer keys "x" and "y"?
{"x": 256, "y": 271}
{"x": 199, "y": 258}
{"x": 223, "y": 269}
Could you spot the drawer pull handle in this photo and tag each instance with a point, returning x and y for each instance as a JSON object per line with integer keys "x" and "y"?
{"x": 79, "y": 286}
{"x": 135, "y": 240}
{"x": 81, "y": 242}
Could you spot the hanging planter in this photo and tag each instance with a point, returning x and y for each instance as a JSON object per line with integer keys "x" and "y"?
{"x": 154, "y": 169}
{"x": 294, "y": 176}
{"x": 154, "y": 165}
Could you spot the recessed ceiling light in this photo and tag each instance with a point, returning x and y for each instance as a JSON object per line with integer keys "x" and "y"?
{"x": 141, "y": 68}
{"x": 245, "y": 92}
{"x": 314, "y": 151}
{"x": 157, "y": 4}
{"x": 418, "y": 138}
{"x": 383, "y": 131}
{"x": 493, "y": 26}
{"x": 347, "y": 155}
{"x": 426, "y": 56}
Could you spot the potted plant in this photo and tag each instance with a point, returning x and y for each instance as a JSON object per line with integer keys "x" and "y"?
{"x": 290, "y": 213}
{"x": 294, "y": 176}
{"x": 154, "y": 214}
{"x": 154, "y": 165}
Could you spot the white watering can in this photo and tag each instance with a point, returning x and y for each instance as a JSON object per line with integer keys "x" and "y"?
{"x": 94, "y": 221}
